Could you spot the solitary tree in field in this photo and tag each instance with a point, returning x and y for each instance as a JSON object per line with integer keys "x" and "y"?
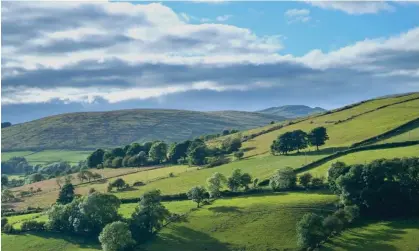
{"x": 318, "y": 136}
{"x": 197, "y": 194}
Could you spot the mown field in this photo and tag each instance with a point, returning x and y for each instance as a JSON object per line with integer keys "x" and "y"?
{"x": 367, "y": 156}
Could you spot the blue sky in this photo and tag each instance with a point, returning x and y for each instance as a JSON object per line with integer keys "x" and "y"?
{"x": 203, "y": 56}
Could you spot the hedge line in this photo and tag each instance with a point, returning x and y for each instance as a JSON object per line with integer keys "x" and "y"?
{"x": 12, "y": 212}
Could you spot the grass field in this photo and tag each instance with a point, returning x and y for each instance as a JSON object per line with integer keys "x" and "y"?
{"x": 48, "y": 156}
{"x": 367, "y": 156}
{"x": 179, "y": 207}
{"x": 343, "y": 134}
{"x": 394, "y": 235}
{"x": 244, "y": 223}
{"x": 406, "y": 136}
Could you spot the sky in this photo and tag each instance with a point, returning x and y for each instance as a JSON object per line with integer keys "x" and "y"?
{"x": 60, "y": 57}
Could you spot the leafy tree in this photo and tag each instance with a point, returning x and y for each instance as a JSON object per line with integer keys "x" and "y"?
{"x": 299, "y": 140}
{"x": 255, "y": 183}
{"x": 117, "y": 162}
{"x": 238, "y": 154}
{"x": 95, "y": 158}
{"x": 318, "y": 136}
{"x": 332, "y": 224}
{"x": 147, "y": 147}
{"x": 4, "y": 221}
{"x": 231, "y": 144}
{"x": 5, "y": 124}
{"x": 66, "y": 194}
{"x": 118, "y": 152}
{"x": 68, "y": 179}
{"x": 283, "y": 144}
{"x": 97, "y": 211}
{"x": 317, "y": 182}
{"x": 81, "y": 176}
{"x": 125, "y": 161}
{"x": 134, "y": 149}
{"x": 197, "y": 194}
{"x": 196, "y": 156}
{"x": 178, "y": 151}
{"x": 284, "y": 178}
{"x": 235, "y": 180}
{"x": 108, "y": 156}
{"x": 119, "y": 183}
{"x": 214, "y": 184}
{"x": 305, "y": 179}
{"x": 225, "y": 132}
{"x": 59, "y": 181}
{"x": 351, "y": 212}
{"x": 158, "y": 152}
{"x": 7, "y": 195}
{"x": 245, "y": 180}
{"x": 4, "y": 181}
{"x": 138, "y": 160}
{"x": 116, "y": 236}
{"x": 36, "y": 177}
{"x": 336, "y": 170}
{"x": 310, "y": 230}
{"x": 148, "y": 216}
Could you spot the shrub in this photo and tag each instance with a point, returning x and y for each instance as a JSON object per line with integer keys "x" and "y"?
{"x": 32, "y": 225}
{"x": 238, "y": 154}
{"x": 332, "y": 224}
{"x": 305, "y": 179}
{"x": 216, "y": 161}
{"x": 138, "y": 184}
{"x": 317, "y": 182}
{"x": 8, "y": 229}
{"x": 117, "y": 162}
{"x": 4, "y": 221}
{"x": 310, "y": 230}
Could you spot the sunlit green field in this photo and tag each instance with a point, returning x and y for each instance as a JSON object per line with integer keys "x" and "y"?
{"x": 244, "y": 223}
{"x": 48, "y": 156}
{"x": 393, "y": 235}
{"x": 368, "y": 156}
{"x": 406, "y": 136}
{"x": 178, "y": 207}
{"x": 347, "y": 133}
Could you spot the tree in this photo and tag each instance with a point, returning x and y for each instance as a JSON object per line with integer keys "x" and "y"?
{"x": 119, "y": 183}
{"x": 68, "y": 179}
{"x": 225, "y": 132}
{"x": 118, "y": 152}
{"x": 245, "y": 180}
{"x": 305, "y": 179}
{"x": 214, "y": 184}
{"x": 299, "y": 140}
{"x": 283, "y": 144}
{"x": 158, "y": 152}
{"x": 235, "y": 180}
{"x": 66, "y": 194}
{"x": 59, "y": 181}
{"x": 7, "y": 195}
{"x": 284, "y": 178}
{"x": 116, "y": 236}
{"x": 238, "y": 154}
{"x": 197, "y": 194}
{"x": 310, "y": 230}
{"x": 4, "y": 181}
{"x": 5, "y": 124}
{"x": 332, "y": 224}
{"x": 148, "y": 216}
{"x": 336, "y": 170}
{"x": 97, "y": 210}
{"x": 36, "y": 177}
{"x": 231, "y": 144}
{"x": 138, "y": 160}
{"x": 197, "y": 155}
{"x": 95, "y": 158}
{"x": 81, "y": 176}
{"x": 178, "y": 151}
{"x": 317, "y": 182}
{"x": 134, "y": 149}
{"x": 318, "y": 136}
{"x": 117, "y": 162}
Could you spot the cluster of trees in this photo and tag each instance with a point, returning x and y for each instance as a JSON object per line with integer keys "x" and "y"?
{"x": 298, "y": 139}
{"x": 194, "y": 152}
{"x": 374, "y": 190}
{"x": 5, "y": 124}
{"x": 213, "y": 136}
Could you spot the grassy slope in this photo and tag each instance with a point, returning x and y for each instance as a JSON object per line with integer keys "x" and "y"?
{"x": 48, "y": 156}
{"x": 91, "y": 130}
{"x": 244, "y": 223}
{"x": 347, "y": 133}
{"x": 384, "y": 236}
{"x": 406, "y": 136}
{"x": 367, "y": 156}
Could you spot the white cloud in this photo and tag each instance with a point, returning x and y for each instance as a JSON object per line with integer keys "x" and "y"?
{"x": 354, "y": 7}
{"x": 223, "y": 18}
{"x": 149, "y": 51}
{"x": 297, "y": 15}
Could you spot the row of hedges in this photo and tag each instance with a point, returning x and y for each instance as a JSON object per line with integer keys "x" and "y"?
{"x": 12, "y": 212}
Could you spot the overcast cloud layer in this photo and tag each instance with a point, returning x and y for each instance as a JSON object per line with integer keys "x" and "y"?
{"x": 117, "y": 53}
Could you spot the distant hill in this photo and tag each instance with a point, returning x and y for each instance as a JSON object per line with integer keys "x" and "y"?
{"x": 292, "y": 111}
{"x": 90, "y": 130}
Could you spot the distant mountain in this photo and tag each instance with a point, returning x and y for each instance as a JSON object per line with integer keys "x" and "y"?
{"x": 90, "y": 130}
{"x": 292, "y": 111}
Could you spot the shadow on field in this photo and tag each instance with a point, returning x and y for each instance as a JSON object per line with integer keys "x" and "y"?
{"x": 246, "y": 149}
{"x": 374, "y": 239}
{"x": 82, "y": 242}
{"x": 183, "y": 238}
{"x": 224, "y": 209}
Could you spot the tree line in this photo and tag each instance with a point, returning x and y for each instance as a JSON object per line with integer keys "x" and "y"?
{"x": 298, "y": 140}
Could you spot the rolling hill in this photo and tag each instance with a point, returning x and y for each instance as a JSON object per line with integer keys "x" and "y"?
{"x": 292, "y": 111}
{"x": 90, "y": 130}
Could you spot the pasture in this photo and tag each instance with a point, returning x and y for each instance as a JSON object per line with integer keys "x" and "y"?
{"x": 48, "y": 156}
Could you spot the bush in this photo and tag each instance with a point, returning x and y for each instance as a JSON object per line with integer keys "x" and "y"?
{"x": 284, "y": 178}
{"x": 305, "y": 179}
{"x": 4, "y": 221}
{"x": 32, "y": 225}
{"x": 117, "y": 162}
{"x": 317, "y": 182}
{"x": 216, "y": 161}
{"x": 310, "y": 230}
{"x": 332, "y": 224}
{"x": 138, "y": 184}
{"x": 238, "y": 154}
